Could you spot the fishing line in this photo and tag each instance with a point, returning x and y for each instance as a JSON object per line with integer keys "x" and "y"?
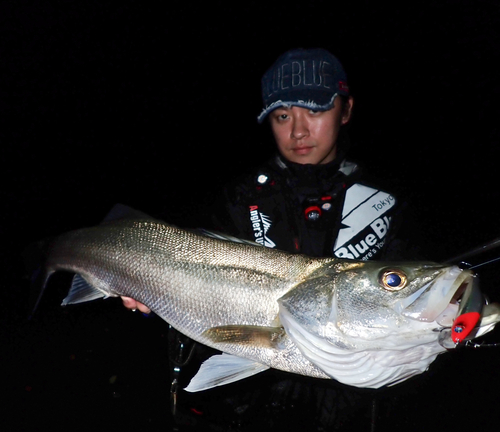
{"x": 460, "y": 258}
{"x": 470, "y": 344}
{"x": 476, "y": 251}
{"x": 487, "y": 262}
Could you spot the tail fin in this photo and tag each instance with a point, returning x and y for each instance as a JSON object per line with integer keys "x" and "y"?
{"x": 37, "y": 288}
{"x": 34, "y": 256}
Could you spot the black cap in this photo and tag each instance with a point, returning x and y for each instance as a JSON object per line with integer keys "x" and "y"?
{"x": 307, "y": 78}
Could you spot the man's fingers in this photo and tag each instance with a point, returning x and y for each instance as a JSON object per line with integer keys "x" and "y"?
{"x": 132, "y": 304}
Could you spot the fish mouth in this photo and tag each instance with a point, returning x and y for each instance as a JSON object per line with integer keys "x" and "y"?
{"x": 445, "y": 298}
{"x": 448, "y": 316}
{"x": 453, "y": 301}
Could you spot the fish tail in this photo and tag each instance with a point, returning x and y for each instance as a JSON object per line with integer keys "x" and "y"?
{"x": 34, "y": 259}
{"x": 37, "y": 287}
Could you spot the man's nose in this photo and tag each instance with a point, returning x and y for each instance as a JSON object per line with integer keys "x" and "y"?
{"x": 300, "y": 128}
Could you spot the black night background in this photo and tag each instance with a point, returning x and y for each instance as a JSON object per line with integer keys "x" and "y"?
{"x": 154, "y": 105}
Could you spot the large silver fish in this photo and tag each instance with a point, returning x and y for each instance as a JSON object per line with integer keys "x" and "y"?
{"x": 366, "y": 324}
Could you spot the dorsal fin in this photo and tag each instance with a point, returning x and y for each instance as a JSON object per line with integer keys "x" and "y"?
{"x": 121, "y": 211}
{"x": 225, "y": 237}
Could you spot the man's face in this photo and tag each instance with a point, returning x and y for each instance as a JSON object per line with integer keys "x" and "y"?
{"x": 309, "y": 137}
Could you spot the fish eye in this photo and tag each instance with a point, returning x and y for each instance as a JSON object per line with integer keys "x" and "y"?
{"x": 393, "y": 280}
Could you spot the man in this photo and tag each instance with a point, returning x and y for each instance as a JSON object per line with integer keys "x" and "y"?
{"x": 307, "y": 199}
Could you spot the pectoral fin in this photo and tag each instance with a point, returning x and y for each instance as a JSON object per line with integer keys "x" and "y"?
{"x": 223, "y": 369}
{"x": 265, "y": 337}
{"x": 81, "y": 291}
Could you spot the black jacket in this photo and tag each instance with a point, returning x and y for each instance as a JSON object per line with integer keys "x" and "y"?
{"x": 317, "y": 210}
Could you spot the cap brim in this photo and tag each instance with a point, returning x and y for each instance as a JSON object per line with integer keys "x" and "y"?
{"x": 308, "y": 100}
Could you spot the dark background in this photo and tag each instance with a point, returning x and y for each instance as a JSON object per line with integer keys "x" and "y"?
{"x": 154, "y": 105}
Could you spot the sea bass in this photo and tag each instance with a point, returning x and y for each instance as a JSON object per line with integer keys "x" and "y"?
{"x": 363, "y": 323}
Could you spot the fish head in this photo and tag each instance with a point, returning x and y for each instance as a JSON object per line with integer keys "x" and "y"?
{"x": 369, "y": 300}
{"x": 373, "y": 323}
{"x": 376, "y": 300}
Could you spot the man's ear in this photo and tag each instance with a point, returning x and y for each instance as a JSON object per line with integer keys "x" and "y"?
{"x": 347, "y": 110}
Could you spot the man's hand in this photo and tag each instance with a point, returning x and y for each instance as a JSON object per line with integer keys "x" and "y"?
{"x": 132, "y": 304}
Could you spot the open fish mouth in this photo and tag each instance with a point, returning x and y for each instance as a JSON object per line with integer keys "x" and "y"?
{"x": 431, "y": 301}
{"x": 448, "y": 316}
{"x": 453, "y": 301}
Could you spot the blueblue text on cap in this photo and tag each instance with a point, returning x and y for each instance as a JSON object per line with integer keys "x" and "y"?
{"x": 307, "y": 78}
